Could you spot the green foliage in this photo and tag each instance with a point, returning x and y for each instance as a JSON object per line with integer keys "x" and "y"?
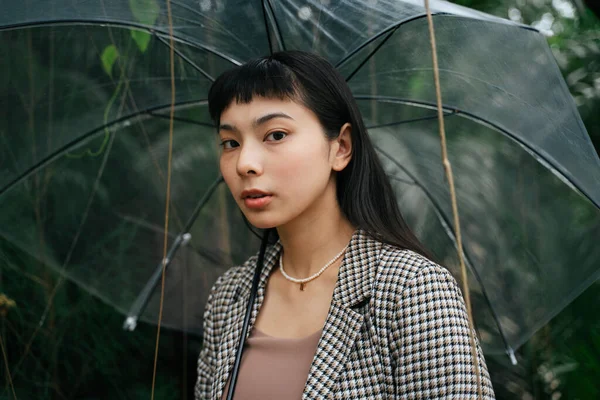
{"x": 562, "y": 361}
{"x": 145, "y": 11}
{"x": 108, "y": 58}
{"x": 141, "y": 38}
{"x": 80, "y": 351}
{"x": 574, "y": 36}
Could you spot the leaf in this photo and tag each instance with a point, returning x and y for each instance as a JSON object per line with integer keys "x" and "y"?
{"x": 109, "y": 56}
{"x": 141, "y": 38}
{"x": 145, "y": 11}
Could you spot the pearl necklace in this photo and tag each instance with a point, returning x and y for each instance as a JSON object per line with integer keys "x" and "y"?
{"x": 310, "y": 278}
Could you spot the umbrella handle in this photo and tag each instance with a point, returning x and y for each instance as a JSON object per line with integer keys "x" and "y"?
{"x": 255, "y": 280}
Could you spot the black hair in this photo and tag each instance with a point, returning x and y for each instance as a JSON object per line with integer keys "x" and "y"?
{"x": 364, "y": 192}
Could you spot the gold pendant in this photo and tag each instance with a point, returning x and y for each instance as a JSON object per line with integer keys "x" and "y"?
{"x": 302, "y": 286}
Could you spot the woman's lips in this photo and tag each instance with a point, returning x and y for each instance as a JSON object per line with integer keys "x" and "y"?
{"x": 257, "y": 202}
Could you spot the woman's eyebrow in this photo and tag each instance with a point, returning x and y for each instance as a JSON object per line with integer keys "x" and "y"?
{"x": 268, "y": 117}
{"x": 227, "y": 127}
{"x": 259, "y": 121}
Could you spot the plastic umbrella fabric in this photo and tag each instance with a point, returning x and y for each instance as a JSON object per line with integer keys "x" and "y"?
{"x": 86, "y": 94}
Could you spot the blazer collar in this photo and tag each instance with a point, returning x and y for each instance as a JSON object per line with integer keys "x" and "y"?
{"x": 344, "y": 320}
{"x": 357, "y": 271}
{"x": 355, "y": 278}
{"x": 346, "y": 315}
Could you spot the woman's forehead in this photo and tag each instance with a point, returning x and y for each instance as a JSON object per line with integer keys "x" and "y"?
{"x": 259, "y": 107}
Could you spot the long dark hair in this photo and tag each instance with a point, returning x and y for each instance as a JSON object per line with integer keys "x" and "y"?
{"x": 363, "y": 189}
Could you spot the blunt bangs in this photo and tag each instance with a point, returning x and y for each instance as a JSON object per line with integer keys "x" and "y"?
{"x": 264, "y": 77}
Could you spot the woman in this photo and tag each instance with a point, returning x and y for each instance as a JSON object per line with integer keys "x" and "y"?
{"x": 348, "y": 304}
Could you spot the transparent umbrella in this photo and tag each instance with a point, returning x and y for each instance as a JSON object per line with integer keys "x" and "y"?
{"x": 86, "y": 90}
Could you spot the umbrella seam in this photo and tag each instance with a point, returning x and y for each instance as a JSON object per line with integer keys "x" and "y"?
{"x": 557, "y": 169}
{"x": 124, "y": 25}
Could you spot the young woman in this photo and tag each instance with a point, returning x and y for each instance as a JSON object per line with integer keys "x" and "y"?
{"x": 348, "y": 303}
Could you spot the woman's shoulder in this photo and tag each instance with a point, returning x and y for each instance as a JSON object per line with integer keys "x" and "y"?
{"x": 405, "y": 268}
{"x": 413, "y": 285}
{"x": 232, "y": 279}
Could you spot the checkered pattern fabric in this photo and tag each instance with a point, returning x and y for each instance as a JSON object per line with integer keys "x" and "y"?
{"x": 397, "y": 328}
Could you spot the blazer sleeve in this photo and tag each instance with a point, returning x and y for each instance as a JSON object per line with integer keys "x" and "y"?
{"x": 206, "y": 367}
{"x": 432, "y": 341}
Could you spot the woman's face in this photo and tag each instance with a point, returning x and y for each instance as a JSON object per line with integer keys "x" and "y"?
{"x": 276, "y": 160}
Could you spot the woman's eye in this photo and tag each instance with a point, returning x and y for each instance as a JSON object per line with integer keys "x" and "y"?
{"x": 276, "y": 135}
{"x": 229, "y": 144}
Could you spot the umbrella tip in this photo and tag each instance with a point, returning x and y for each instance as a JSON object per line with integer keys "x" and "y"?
{"x": 511, "y": 355}
{"x": 130, "y": 324}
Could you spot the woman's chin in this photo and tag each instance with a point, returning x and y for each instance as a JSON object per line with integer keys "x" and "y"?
{"x": 261, "y": 222}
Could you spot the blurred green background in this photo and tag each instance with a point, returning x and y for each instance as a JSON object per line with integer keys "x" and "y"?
{"x": 562, "y": 361}
{"x": 81, "y": 351}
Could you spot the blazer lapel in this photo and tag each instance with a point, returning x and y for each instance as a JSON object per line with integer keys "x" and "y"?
{"x": 344, "y": 321}
{"x": 235, "y": 319}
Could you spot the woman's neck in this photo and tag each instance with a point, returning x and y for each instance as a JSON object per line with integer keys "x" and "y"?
{"x": 312, "y": 240}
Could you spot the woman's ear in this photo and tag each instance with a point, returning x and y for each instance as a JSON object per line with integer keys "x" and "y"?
{"x": 343, "y": 148}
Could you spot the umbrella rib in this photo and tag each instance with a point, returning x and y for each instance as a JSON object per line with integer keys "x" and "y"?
{"x": 395, "y": 26}
{"x": 446, "y": 225}
{"x": 67, "y": 260}
{"x": 217, "y": 23}
{"x": 181, "y": 119}
{"x": 302, "y": 28}
{"x": 86, "y": 136}
{"x": 408, "y": 121}
{"x": 418, "y": 103}
{"x": 277, "y": 29}
{"x": 268, "y": 14}
{"x": 368, "y": 57}
{"x": 186, "y": 59}
{"x": 264, "y": 12}
{"x": 293, "y": 10}
{"x": 391, "y": 28}
{"x": 140, "y": 303}
{"x": 557, "y": 170}
{"x": 142, "y": 224}
{"x": 118, "y": 24}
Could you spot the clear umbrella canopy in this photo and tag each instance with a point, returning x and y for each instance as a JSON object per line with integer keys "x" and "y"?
{"x": 86, "y": 91}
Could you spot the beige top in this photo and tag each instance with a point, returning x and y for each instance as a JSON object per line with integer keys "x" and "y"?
{"x": 274, "y": 368}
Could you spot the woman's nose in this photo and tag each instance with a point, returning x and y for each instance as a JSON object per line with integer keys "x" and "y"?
{"x": 250, "y": 160}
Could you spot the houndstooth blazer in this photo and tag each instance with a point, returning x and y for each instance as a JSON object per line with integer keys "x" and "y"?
{"x": 397, "y": 327}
